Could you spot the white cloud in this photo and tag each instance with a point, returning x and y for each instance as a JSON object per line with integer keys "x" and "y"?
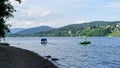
{"x": 114, "y": 5}
{"x": 34, "y": 13}
{"x": 22, "y": 24}
{"x": 80, "y": 21}
{"x": 44, "y": 14}
{"x": 54, "y": 22}
{"x": 59, "y": 13}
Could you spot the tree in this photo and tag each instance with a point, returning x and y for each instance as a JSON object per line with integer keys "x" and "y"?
{"x": 6, "y": 10}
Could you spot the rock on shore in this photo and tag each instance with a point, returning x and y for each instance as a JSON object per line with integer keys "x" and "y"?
{"x": 12, "y": 57}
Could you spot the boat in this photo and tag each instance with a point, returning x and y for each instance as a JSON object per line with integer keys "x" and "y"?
{"x": 44, "y": 41}
{"x": 85, "y": 42}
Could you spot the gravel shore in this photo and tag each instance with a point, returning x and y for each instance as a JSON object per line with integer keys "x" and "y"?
{"x": 12, "y": 57}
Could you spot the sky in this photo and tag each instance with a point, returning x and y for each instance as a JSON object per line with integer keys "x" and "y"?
{"x": 58, "y": 13}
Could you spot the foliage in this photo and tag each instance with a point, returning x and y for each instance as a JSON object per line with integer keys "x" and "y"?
{"x": 6, "y": 10}
{"x": 115, "y": 33}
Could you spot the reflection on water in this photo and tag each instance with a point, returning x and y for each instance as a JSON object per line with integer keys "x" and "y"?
{"x": 103, "y": 52}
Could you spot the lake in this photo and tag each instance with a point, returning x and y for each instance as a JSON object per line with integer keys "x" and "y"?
{"x": 103, "y": 52}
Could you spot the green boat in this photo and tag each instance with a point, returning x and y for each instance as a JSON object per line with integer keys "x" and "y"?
{"x": 84, "y": 41}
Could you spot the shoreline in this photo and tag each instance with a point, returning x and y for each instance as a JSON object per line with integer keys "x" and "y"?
{"x": 13, "y": 57}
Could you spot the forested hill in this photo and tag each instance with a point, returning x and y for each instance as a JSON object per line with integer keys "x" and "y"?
{"x": 95, "y": 28}
{"x": 34, "y": 30}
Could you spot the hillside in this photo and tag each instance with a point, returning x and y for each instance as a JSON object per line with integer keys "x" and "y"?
{"x": 115, "y": 33}
{"x": 94, "y": 28}
{"x": 15, "y": 30}
{"x": 34, "y": 30}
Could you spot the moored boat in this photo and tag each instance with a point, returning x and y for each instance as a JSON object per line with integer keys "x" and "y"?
{"x": 85, "y": 42}
{"x": 44, "y": 41}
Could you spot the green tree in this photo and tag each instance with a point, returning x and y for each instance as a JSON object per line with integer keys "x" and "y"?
{"x": 6, "y": 11}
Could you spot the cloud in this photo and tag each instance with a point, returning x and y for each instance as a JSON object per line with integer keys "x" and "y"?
{"x": 44, "y": 14}
{"x": 59, "y": 13}
{"x": 54, "y": 21}
{"x": 13, "y": 1}
{"x": 35, "y": 13}
{"x": 31, "y": 17}
{"x": 80, "y": 21}
{"x": 21, "y": 23}
{"x": 34, "y": 16}
{"x": 114, "y": 5}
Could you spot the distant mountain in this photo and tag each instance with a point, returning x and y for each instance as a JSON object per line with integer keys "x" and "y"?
{"x": 15, "y": 30}
{"x": 34, "y": 30}
{"x": 94, "y": 28}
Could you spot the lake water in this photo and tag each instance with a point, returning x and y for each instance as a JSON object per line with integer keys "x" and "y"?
{"x": 103, "y": 52}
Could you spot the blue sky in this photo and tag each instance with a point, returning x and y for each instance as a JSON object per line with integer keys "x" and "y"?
{"x": 57, "y": 13}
